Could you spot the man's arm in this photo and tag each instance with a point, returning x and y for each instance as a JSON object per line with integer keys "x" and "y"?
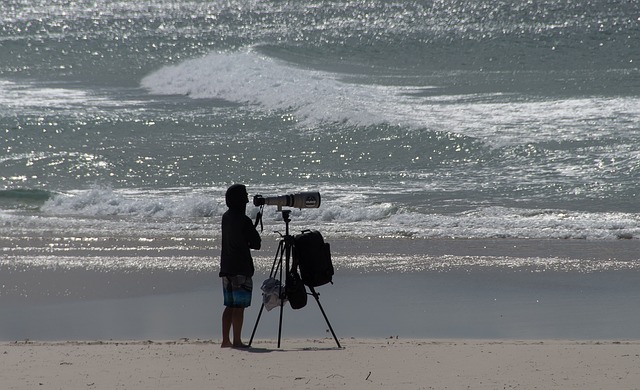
{"x": 253, "y": 236}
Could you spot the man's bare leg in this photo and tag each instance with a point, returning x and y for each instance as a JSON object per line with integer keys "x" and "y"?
{"x": 227, "y": 319}
{"x": 232, "y": 318}
{"x": 238, "y": 319}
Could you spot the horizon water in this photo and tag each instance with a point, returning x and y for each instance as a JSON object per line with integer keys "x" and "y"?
{"x": 123, "y": 123}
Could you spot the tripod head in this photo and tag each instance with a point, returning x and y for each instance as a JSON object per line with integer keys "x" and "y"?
{"x": 286, "y": 215}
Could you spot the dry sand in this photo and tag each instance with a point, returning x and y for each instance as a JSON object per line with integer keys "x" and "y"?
{"x": 318, "y": 364}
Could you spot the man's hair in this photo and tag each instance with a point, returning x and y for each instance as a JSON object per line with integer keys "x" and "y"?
{"x": 236, "y": 196}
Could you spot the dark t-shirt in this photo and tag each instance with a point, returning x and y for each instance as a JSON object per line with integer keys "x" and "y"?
{"x": 238, "y": 237}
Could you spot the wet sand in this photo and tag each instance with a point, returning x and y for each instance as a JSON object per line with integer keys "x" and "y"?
{"x": 480, "y": 314}
{"x": 472, "y": 289}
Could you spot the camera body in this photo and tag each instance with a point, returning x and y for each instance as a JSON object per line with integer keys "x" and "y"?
{"x": 301, "y": 200}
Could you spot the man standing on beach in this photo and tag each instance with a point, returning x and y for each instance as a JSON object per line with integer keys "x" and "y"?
{"x": 239, "y": 236}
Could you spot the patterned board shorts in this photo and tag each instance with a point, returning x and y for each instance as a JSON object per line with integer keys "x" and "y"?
{"x": 237, "y": 291}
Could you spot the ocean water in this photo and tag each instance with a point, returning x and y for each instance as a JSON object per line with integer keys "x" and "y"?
{"x": 422, "y": 124}
{"x": 413, "y": 119}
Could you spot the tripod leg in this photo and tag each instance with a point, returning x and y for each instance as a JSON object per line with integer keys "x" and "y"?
{"x": 255, "y": 327}
{"x": 280, "y": 323}
{"x": 316, "y": 296}
{"x": 277, "y": 266}
{"x": 287, "y": 251}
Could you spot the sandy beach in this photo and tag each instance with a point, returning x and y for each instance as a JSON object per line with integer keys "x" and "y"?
{"x": 432, "y": 314}
{"x": 319, "y": 364}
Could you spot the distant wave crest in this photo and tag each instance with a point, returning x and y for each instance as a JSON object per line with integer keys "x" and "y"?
{"x": 103, "y": 201}
{"x": 315, "y": 97}
{"x": 248, "y": 77}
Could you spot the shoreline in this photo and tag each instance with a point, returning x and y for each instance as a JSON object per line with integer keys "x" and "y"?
{"x": 311, "y": 363}
{"x": 445, "y": 288}
{"x": 198, "y": 253}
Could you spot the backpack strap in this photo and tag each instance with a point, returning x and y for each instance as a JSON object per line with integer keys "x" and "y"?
{"x": 259, "y": 219}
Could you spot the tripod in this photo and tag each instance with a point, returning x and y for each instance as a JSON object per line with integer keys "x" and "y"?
{"x": 284, "y": 250}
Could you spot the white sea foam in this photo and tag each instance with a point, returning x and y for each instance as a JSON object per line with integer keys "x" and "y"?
{"x": 104, "y": 201}
{"x": 317, "y": 97}
{"x": 251, "y": 78}
{"x": 176, "y": 213}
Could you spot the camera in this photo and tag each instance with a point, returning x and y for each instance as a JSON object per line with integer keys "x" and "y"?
{"x": 301, "y": 200}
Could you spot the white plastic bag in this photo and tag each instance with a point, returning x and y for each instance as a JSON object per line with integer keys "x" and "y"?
{"x": 271, "y": 293}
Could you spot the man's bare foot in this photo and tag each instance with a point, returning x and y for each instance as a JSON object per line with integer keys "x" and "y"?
{"x": 226, "y": 345}
{"x": 240, "y": 345}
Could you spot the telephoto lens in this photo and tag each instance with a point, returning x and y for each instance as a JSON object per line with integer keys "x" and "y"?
{"x": 301, "y": 200}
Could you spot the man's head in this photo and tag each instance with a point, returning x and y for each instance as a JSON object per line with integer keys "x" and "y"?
{"x": 237, "y": 197}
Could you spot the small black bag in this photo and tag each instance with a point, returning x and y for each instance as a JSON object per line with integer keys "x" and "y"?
{"x": 295, "y": 291}
{"x": 313, "y": 256}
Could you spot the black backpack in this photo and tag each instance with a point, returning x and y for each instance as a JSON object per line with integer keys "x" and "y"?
{"x": 295, "y": 291}
{"x": 313, "y": 256}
